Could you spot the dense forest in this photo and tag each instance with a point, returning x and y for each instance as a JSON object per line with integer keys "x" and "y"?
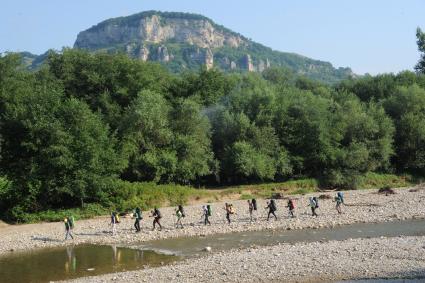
{"x": 84, "y": 124}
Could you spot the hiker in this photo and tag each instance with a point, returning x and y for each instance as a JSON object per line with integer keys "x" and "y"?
{"x": 156, "y": 214}
{"x": 291, "y": 207}
{"x": 271, "y": 205}
{"x": 71, "y": 222}
{"x": 180, "y": 215}
{"x": 68, "y": 228}
{"x": 206, "y": 212}
{"x": 254, "y": 206}
{"x": 228, "y": 207}
{"x": 341, "y": 195}
{"x": 114, "y": 221}
{"x": 339, "y": 199}
{"x": 314, "y": 204}
{"x": 180, "y": 207}
{"x": 138, "y": 216}
{"x": 250, "y": 209}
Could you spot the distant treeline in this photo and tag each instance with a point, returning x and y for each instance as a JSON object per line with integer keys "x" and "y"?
{"x": 73, "y": 131}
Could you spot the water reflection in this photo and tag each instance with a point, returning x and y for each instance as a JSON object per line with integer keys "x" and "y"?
{"x": 75, "y": 261}
{"x": 71, "y": 262}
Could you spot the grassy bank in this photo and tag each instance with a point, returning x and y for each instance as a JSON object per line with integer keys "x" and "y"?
{"x": 148, "y": 195}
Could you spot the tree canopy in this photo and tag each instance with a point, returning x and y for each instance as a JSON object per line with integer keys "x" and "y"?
{"x": 73, "y": 128}
{"x": 420, "y": 35}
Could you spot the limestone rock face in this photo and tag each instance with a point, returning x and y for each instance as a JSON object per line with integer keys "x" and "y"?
{"x": 163, "y": 54}
{"x": 209, "y": 59}
{"x": 182, "y": 41}
{"x": 267, "y": 63}
{"x": 247, "y": 63}
{"x": 202, "y": 57}
{"x": 261, "y": 66}
{"x": 158, "y": 29}
{"x": 143, "y": 53}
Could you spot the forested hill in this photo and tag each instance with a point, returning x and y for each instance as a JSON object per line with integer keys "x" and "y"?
{"x": 183, "y": 41}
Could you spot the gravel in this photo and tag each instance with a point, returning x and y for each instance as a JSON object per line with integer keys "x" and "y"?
{"x": 401, "y": 257}
{"x": 361, "y": 206}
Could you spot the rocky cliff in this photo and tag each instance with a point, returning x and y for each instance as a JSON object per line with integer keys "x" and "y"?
{"x": 187, "y": 41}
{"x": 155, "y": 27}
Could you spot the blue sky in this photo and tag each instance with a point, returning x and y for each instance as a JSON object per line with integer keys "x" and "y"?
{"x": 373, "y": 36}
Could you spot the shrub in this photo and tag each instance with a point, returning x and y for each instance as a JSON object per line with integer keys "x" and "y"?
{"x": 148, "y": 195}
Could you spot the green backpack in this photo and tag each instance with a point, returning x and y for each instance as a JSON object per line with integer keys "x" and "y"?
{"x": 71, "y": 222}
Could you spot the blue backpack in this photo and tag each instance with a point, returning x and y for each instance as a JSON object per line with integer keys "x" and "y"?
{"x": 341, "y": 196}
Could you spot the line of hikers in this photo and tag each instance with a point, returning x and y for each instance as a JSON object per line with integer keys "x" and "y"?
{"x": 207, "y": 212}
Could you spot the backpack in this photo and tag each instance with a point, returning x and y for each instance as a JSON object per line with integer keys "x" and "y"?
{"x": 254, "y": 203}
{"x": 316, "y": 202}
{"x": 209, "y": 211}
{"x": 180, "y": 208}
{"x": 71, "y": 222}
{"x": 341, "y": 196}
{"x": 138, "y": 213}
{"x": 157, "y": 213}
{"x": 231, "y": 209}
{"x": 273, "y": 205}
{"x": 291, "y": 204}
{"x": 117, "y": 218}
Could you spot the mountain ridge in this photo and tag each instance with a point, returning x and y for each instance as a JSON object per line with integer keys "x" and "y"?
{"x": 186, "y": 41}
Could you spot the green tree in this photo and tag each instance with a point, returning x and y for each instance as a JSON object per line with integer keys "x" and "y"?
{"x": 55, "y": 150}
{"x": 108, "y": 83}
{"x": 362, "y": 138}
{"x": 302, "y": 123}
{"x": 407, "y": 108}
{"x": 191, "y": 142}
{"x": 244, "y": 162}
{"x": 206, "y": 87}
{"x": 147, "y": 139}
{"x": 420, "y": 67}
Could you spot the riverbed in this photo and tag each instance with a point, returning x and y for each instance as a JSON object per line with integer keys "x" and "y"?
{"x": 363, "y": 206}
{"x": 91, "y": 260}
{"x": 353, "y": 259}
{"x": 299, "y": 249}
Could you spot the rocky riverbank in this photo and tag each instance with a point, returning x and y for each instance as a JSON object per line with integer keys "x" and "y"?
{"x": 401, "y": 257}
{"x": 361, "y": 206}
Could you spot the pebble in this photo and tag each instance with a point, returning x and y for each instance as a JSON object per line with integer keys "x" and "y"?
{"x": 14, "y": 238}
{"x": 207, "y": 249}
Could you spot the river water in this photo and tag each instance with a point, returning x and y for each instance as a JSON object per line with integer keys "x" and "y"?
{"x": 75, "y": 261}
{"x": 85, "y": 260}
{"x": 194, "y": 245}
